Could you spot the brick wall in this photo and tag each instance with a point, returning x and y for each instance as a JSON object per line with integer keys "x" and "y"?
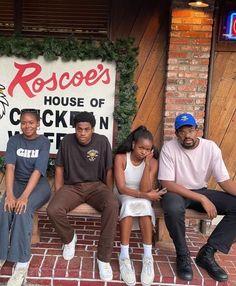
{"x": 188, "y": 62}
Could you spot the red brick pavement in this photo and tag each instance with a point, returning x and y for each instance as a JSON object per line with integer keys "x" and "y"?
{"x": 48, "y": 268}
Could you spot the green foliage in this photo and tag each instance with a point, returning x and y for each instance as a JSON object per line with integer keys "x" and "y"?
{"x": 2, "y": 166}
{"x": 122, "y": 52}
{"x": 51, "y": 167}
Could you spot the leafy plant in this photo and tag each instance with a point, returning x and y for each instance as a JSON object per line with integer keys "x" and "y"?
{"x": 2, "y": 165}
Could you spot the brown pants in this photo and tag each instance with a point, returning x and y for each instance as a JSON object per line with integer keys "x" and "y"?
{"x": 98, "y": 196}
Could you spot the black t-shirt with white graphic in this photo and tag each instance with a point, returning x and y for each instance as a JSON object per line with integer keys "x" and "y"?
{"x": 84, "y": 163}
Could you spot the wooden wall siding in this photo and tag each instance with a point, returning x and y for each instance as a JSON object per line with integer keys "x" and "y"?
{"x": 222, "y": 117}
{"x": 147, "y": 23}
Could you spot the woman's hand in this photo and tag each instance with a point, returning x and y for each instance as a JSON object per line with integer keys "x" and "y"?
{"x": 21, "y": 204}
{"x": 148, "y": 158}
{"x": 154, "y": 195}
{"x": 10, "y": 203}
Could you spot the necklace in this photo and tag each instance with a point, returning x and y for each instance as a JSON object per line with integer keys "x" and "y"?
{"x": 135, "y": 162}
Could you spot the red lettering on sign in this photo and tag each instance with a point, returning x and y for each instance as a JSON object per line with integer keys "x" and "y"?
{"x": 22, "y": 80}
{"x": 28, "y": 79}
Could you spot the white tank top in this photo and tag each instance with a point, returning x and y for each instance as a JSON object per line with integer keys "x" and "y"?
{"x": 133, "y": 174}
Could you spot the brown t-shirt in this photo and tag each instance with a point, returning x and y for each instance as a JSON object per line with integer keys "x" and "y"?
{"x": 84, "y": 163}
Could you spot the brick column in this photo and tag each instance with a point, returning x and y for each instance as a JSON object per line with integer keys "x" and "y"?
{"x": 188, "y": 62}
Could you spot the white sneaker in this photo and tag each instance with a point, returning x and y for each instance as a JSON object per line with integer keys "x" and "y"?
{"x": 127, "y": 272}
{"x": 105, "y": 270}
{"x": 147, "y": 274}
{"x": 2, "y": 263}
{"x": 69, "y": 249}
{"x": 18, "y": 277}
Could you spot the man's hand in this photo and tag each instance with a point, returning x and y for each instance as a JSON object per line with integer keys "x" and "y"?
{"x": 10, "y": 203}
{"x": 209, "y": 207}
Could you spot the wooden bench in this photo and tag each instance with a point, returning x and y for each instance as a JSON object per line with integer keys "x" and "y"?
{"x": 162, "y": 238}
{"x": 82, "y": 210}
{"x": 162, "y": 235}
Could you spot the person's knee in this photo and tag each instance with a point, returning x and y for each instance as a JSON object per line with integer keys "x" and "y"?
{"x": 52, "y": 210}
{"x": 174, "y": 210}
{"x": 112, "y": 204}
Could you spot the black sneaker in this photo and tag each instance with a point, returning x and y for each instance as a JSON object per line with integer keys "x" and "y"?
{"x": 206, "y": 260}
{"x": 183, "y": 267}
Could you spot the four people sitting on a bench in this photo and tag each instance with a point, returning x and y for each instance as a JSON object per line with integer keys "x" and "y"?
{"x": 83, "y": 173}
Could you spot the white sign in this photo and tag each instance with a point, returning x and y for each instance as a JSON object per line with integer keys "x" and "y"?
{"x": 59, "y": 90}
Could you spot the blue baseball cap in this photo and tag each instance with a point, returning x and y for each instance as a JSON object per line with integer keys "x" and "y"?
{"x": 184, "y": 119}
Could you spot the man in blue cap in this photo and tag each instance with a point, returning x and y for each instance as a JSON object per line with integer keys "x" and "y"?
{"x": 186, "y": 164}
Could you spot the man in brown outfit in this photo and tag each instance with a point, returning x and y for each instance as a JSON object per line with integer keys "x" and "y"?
{"x": 84, "y": 174}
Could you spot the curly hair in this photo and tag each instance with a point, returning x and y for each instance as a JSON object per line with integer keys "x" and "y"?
{"x": 84, "y": 116}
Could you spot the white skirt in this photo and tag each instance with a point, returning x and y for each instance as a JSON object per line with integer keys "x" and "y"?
{"x": 135, "y": 207}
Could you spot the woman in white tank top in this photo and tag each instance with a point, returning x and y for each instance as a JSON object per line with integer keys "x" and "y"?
{"x": 135, "y": 170}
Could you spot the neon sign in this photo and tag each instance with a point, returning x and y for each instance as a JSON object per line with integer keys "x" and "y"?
{"x": 231, "y": 26}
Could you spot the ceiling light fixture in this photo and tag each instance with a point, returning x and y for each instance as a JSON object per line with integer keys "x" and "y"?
{"x": 198, "y": 4}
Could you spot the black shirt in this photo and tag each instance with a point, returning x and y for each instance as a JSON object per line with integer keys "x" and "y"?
{"x": 84, "y": 163}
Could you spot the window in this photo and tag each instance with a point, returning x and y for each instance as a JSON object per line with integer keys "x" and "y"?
{"x": 227, "y": 31}
{"x": 82, "y": 18}
{"x": 6, "y": 16}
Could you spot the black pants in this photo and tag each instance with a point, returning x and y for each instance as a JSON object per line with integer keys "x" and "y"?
{"x": 223, "y": 235}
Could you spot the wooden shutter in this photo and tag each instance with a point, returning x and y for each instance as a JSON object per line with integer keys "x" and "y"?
{"x": 6, "y": 16}
{"x": 83, "y": 18}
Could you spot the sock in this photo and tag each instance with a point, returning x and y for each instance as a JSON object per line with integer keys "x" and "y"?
{"x": 147, "y": 248}
{"x": 22, "y": 265}
{"x": 124, "y": 251}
